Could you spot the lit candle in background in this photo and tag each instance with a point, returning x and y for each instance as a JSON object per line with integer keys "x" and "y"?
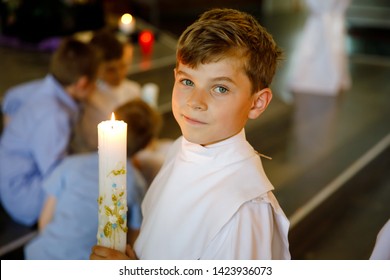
{"x": 146, "y": 41}
{"x": 127, "y": 24}
{"x": 112, "y": 229}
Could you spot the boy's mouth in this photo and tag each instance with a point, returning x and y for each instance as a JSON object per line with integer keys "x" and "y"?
{"x": 192, "y": 120}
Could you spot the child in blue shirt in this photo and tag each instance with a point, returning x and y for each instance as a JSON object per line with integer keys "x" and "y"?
{"x": 69, "y": 221}
{"x": 38, "y": 128}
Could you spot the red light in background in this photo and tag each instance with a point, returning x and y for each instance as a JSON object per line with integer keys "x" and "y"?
{"x": 146, "y": 41}
{"x": 146, "y": 37}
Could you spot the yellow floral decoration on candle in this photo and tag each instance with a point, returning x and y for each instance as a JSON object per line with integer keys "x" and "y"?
{"x": 116, "y": 211}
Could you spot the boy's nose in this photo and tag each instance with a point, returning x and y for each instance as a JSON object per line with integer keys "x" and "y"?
{"x": 197, "y": 101}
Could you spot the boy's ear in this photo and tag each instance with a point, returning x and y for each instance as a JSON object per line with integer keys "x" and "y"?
{"x": 260, "y": 102}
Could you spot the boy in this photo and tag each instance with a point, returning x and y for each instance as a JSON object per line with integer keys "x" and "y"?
{"x": 69, "y": 221}
{"x": 212, "y": 199}
{"x": 113, "y": 88}
{"x": 40, "y": 117}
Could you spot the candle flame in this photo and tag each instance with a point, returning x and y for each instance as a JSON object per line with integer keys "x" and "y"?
{"x": 112, "y": 116}
{"x": 126, "y": 18}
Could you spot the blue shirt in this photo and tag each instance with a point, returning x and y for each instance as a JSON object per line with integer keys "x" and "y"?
{"x": 33, "y": 142}
{"x": 73, "y": 229}
{"x": 15, "y": 97}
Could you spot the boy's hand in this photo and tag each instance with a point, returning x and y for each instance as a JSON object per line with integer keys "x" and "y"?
{"x": 104, "y": 253}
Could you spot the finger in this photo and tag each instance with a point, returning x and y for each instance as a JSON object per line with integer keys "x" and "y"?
{"x": 100, "y": 251}
{"x": 93, "y": 256}
{"x": 130, "y": 252}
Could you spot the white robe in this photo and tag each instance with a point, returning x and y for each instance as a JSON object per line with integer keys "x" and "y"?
{"x": 212, "y": 202}
{"x": 320, "y": 60}
{"x": 382, "y": 245}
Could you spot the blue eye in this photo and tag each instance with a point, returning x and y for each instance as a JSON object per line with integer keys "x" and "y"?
{"x": 220, "y": 89}
{"x": 187, "y": 82}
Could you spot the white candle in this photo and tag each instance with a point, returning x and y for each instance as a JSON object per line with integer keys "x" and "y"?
{"x": 112, "y": 230}
{"x": 127, "y": 24}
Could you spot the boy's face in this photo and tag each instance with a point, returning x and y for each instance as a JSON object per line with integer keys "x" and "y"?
{"x": 113, "y": 72}
{"x": 83, "y": 89}
{"x": 212, "y": 102}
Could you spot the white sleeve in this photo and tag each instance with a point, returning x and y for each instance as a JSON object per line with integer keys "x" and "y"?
{"x": 258, "y": 230}
{"x": 382, "y": 245}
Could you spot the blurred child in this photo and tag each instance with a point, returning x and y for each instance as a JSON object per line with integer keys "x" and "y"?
{"x": 211, "y": 198}
{"x": 40, "y": 117}
{"x": 113, "y": 88}
{"x": 69, "y": 221}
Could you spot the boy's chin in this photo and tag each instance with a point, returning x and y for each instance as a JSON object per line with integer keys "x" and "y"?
{"x": 193, "y": 139}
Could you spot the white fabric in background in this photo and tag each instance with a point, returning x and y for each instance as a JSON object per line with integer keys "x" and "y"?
{"x": 319, "y": 62}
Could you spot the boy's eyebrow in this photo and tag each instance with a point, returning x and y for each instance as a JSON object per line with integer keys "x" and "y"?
{"x": 216, "y": 79}
{"x": 223, "y": 78}
{"x": 182, "y": 72}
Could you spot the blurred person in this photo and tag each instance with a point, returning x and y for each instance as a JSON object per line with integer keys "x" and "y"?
{"x": 69, "y": 221}
{"x": 320, "y": 59}
{"x": 113, "y": 90}
{"x": 39, "y": 120}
